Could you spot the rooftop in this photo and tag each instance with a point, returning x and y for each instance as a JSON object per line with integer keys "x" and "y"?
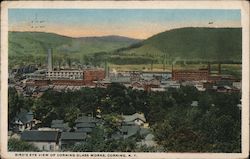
{"x": 85, "y": 125}
{"x": 86, "y": 119}
{"x": 129, "y": 118}
{"x": 43, "y": 136}
{"x": 24, "y": 116}
{"x": 56, "y": 122}
{"x": 73, "y": 136}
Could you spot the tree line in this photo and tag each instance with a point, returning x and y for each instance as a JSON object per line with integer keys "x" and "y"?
{"x": 212, "y": 126}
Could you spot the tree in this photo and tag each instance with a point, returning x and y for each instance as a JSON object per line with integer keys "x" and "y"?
{"x": 112, "y": 122}
{"x": 14, "y": 106}
{"x": 20, "y": 146}
{"x": 71, "y": 115}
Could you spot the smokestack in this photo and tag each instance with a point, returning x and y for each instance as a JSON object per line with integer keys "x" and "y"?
{"x": 106, "y": 70}
{"x": 209, "y": 68}
{"x": 50, "y": 66}
{"x": 172, "y": 71}
{"x": 164, "y": 62}
{"x": 152, "y": 65}
{"x": 219, "y": 68}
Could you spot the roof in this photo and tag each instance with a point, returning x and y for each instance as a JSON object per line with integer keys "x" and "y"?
{"x": 144, "y": 131}
{"x": 86, "y": 119}
{"x": 24, "y": 116}
{"x": 62, "y": 126}
{"x": 116, "y": 136}
{"x": 85, "y": 125}
{"x": 86, "y": 130}
{"x": 149, "y": 137}
{"x": 42, "y": 136}
{"x": 194, "y": 103}
{"x": 73, "y": 136}
{"x": 129, "y": 123}
{"x": 56, "y": 122}
{"x": 129, "y": 118}
{"x": 131, "y": 130}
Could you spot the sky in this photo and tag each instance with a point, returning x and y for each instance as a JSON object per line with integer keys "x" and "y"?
{"x": 134, "y": 23}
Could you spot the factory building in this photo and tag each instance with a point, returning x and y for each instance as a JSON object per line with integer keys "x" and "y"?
{"x": 91, "y": 75}
{"x": 190, "y": 75}
{"x": 195, "y": 75}
{"x": 65, "y": 74}
{"x": 70, "y": 77}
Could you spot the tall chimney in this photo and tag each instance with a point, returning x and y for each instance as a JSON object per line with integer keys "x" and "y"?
{"x": 219, "y": 68}
{"x": 50, "y": 66}
{"x": 209, "y": 68}
{"x": 172, "y": 71}
{"x": 164, "y": 62}
{"x": 106, "y": 70}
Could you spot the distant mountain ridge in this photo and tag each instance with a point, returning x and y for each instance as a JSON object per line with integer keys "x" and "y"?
{"x": 23, "y": 42}
{"x": 183, "y": 44}
{"x": 190, "y": 44}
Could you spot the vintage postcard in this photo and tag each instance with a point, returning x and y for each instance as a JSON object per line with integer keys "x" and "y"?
{"x": 125, "y": 79}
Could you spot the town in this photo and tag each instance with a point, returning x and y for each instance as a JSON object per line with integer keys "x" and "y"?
{"x": 60, "y": 135}
{"x": 31, "y": 81}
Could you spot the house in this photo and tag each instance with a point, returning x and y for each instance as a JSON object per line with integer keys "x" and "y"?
{"x": 129, "y": 130}
{"x": 72, "y": 138}
{"x": 137, "y": 118}
{"x": 86, "y": 124}
{"x": 237, "y": 84}
{"x": 158, "y": 89}
{"x": 86, "y": 127}
{"x": 194, "y": 104}
{"x": 137, "y": 85}
{"x": 86, "y": 119}
{"x": 199, "y": 87}
{"x": 59, "y": 124}
{"x": 147, "y": 141}
{"x": 23, "y": 121}
{"x": 44, "y": 140}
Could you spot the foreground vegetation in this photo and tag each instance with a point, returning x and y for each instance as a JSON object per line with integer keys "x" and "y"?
{"x": 212, "y": 126}
{"x": 20, "y": 146}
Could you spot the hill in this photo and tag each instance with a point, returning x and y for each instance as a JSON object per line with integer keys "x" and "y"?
{"x": 190, "y": 44}
{"x": 32, "y": 46}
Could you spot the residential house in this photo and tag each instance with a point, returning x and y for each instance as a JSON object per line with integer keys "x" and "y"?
{"x": 237, "y": 84}
{"x": 23, "y": 121}
{"x": 137, "y": 118}
{"x": 47, "y": 140}
{"x": 195, "y": 104}
{"x": 85, "y": 127}
{"x": 86, "y": 124}
{"x": 72, "y": 138}
{"x": 129, "y": 130}
{"x": 137, "y": 85}
{"x": 59, "y": 124}
{"x": 147, "y": 141}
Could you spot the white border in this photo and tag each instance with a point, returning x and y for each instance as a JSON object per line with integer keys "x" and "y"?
{"x": 242, "y": 5}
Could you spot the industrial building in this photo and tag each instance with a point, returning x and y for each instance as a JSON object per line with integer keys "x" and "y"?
{"x": 69, "y": 77}
{"x": 197, "y": 74}
{"x": 190, "y": 75}
{"x": 65, "y": 74}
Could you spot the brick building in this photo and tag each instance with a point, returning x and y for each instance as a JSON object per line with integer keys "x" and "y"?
{"x": 91, "y": 75}
{"x": 87, "y": 78}
{"x": 190, "y": 75}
